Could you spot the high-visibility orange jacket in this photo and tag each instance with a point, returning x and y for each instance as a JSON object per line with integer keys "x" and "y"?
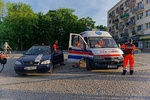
{"x": 129, "y": 49}
{"x": 56, "y": 48}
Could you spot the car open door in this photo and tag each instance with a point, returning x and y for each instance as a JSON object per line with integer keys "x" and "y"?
{"x": 77, "y": 48}
{"x": 57, "y": 57}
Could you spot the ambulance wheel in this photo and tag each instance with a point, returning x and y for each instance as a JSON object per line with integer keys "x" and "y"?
{"x": 88, "y": 65}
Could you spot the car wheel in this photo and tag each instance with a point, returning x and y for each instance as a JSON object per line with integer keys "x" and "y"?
{"x": 51, "y": 69}
{"x": 88, "y": 65}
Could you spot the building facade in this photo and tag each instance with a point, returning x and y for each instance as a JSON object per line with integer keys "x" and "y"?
{"x": 131, "y": 19}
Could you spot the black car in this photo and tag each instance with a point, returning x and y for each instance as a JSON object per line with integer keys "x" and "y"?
{"x": 38, "y": 59}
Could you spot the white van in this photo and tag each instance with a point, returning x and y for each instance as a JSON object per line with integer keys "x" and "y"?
{"x": 97, "y": 48}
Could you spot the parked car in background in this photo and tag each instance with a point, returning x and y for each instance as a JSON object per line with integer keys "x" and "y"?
{"x": 38, "y": 59}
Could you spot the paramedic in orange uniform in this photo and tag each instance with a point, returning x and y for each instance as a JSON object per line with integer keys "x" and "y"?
{"x": 100, "y": 43}
{"x": 55, "y": 47}
{"x": 129, "y": 57}
{"x": 78, "y": 44}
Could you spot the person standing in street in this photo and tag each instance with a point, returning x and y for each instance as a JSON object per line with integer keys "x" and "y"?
{"x": 55, "y": 47}
{"x": 128, "y": 56}
{"x": 57, "y": 50}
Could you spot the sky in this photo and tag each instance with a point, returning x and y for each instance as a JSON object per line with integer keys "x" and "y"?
{"x": 95, "y": 9}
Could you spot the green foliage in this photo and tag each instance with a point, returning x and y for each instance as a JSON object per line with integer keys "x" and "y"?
{"x": 101, "y": 27}
{"x": 23, "y": 28}
{"x": 1, "y": 8}
{"x": 20, "y": 21}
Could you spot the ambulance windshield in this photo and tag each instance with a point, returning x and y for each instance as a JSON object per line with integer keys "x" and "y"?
{"x": 102, "y": 42}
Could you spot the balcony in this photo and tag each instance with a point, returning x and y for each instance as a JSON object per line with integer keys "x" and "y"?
{"x": 133, "y": 32}
{"x": 138, "y": 10}
{"x": 124, "y": 16}
{"x": 115, "y": 21}
{"x": 130, "y": 3}
{"x": 141, "y": 32}
{"x": 122, "y": 40}
{"x": 115, "y": 37}
{"x": 121, "y": 27}
{"x": 125, "y": 35}
{"x": 130, "y": 24}
{"x": 112, "y": 16}
{"x": 120, "y": 11}
{"x": 113, "y": 30}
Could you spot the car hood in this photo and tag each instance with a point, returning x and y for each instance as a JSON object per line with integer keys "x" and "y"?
{"x": 35, "y": 58}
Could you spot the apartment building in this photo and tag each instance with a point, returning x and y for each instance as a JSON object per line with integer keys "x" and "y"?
{"x": 131, "y": 19}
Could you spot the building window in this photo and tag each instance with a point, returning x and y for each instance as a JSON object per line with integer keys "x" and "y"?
{"x": 147, "y": 25}
{"x": 148, "y": 12}
{"x": 147, "y": 1}
{"x": 113, "y": 28}
{"x": 127, "y": 11}
{"x": 132, "y": 19}
{"x": 113, "y": 13}
{"x": 132, "y": 8}
{"x": 147, "y": 44}
{"x": 140, "y": 44}
{"x": 109, "y": 21}
{"x": 132, "y": 30}
{"x": 117, "y": 10}
{"x": 140, "y": 28}
{"x": 126, "y": 31}
{"x": 109, "y": 29}
{"x": 140, "y": 4}
{"x": 140, "y": 16}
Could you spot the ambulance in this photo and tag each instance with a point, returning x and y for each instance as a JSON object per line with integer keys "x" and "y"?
{"x": 96, "y": 48}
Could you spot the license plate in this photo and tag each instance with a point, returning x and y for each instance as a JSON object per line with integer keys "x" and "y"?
{"x": 111, "y": 66}
{"x": 31, "y": 68}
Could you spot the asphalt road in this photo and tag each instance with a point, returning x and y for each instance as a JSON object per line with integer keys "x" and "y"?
{"x": 77, "y": 83}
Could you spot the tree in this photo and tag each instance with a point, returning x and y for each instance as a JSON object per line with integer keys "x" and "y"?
{"x": 1, "y": 9}
{"x": 63, "y": 22}
{"x": 44, "y": 29}
{"x": 25, "y": 28}
{"x": 101, "y": 27}
{"x": 1, "y": 19}
{"x": 20, "y": 19}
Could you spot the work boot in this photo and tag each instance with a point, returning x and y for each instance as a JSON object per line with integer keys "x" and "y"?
{"x": 131, "y": 72}
{"x": 124, "y": 72}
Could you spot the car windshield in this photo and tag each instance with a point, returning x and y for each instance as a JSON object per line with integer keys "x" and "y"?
{"x": 36, "y": 50}
{"x": 102, "y": 42}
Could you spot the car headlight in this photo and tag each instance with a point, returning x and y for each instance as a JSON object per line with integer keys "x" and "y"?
{"x": 46, "y": 62}
{"x": 17, "y": 63}
{"x": 97, "y": 57}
